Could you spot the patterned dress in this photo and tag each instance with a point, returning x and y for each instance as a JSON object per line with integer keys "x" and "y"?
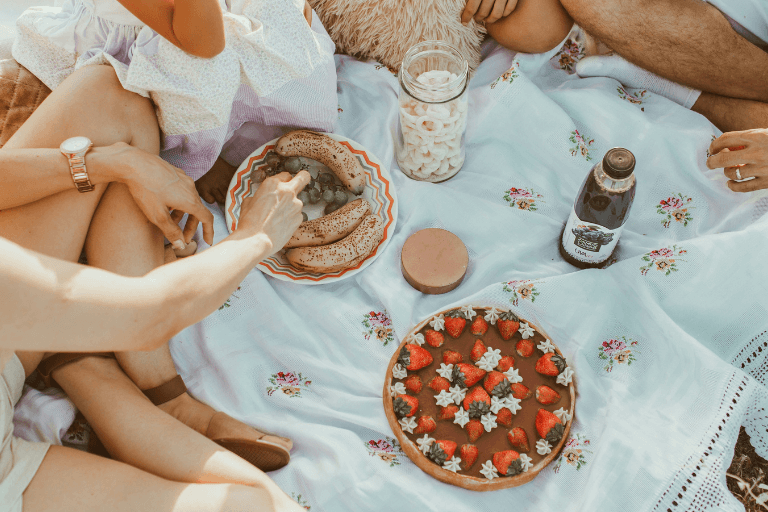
{"x": 274, "y": 71}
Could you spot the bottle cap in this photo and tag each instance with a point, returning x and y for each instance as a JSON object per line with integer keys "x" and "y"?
{"x": 619, "y": 163}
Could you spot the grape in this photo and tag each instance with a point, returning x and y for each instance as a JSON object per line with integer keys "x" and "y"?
{"x": 304, "y": 217}
{"x": 273, "y": 159}
{"x": 340, "y": 198}
{"x": 304, "y": 197}
{"x": 258, "y": 176}
{"x": 328, "y": 196}
{"x": 325, "y": 178}
{"x": 292, "y": 164}
{"x": 331, "y": 207}
{"x": 314, "y": 195}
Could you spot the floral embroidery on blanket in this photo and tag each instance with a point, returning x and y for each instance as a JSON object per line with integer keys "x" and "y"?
{"x": 508, "y": 76}
{"x": 636, "y": 99}
{"x": 618, "y": 351}
{"x": 291, "y": 384}
{"x": 521, "y": 289}
{"x": 675, "y": 207}
{"x": 571, "y": 53}
{"x": 301, "y": 501}
{"x": 574, "y": 453}
{"x": 523, "y": 198}
{"x": 665, "y": 260}
{"x": 710, "y": 142}
{"x": 387, "y": 449}
{"x": 379, "y": 326}
{"x": 228, "y": 303}
{"x": 581, "y": 145}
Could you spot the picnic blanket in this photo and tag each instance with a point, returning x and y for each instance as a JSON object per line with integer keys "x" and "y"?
{"x": 683, "y": 301}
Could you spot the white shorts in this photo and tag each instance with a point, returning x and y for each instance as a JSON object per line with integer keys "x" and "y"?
{"x": 19, "y": 459}
{"x": 751, "y": 15}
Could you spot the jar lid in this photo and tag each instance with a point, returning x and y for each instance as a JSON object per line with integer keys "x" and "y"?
{"x": 619, "y": 163}
{"x": 434, "y": 261}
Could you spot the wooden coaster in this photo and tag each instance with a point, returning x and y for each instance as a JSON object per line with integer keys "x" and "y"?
{"x": 434, "y": 261}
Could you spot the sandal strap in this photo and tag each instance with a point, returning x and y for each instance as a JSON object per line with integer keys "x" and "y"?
{"x": 51, "y": 363}
{"x": 166, "y": 391}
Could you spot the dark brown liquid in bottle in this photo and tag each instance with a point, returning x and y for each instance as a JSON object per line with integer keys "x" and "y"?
{"x": 605, "y": 201}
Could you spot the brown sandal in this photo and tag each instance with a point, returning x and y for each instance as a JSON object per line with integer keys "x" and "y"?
{"x": 265, "y": 451}
{"x": 51, "y": 363}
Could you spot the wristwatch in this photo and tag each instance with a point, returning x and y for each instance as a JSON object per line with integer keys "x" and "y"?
{"x": 75, "y": 149}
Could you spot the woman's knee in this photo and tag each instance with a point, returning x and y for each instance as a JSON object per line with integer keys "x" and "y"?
{"x": 101, "y": 86}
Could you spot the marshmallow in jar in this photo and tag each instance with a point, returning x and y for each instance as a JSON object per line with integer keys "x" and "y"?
{"x": 433, "y": 112}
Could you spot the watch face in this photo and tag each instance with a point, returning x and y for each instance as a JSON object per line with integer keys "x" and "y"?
{"x": 75, "y": 144}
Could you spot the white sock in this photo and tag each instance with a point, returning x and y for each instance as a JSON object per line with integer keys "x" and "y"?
{"x": 614, "y": 66}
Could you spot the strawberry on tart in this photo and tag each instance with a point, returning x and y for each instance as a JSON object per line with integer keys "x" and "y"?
{"x": 479, "y": 398}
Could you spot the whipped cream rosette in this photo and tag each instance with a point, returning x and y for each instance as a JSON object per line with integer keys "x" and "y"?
{"x": 488, "y": 404}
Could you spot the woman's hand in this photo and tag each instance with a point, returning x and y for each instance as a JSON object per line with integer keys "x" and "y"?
{"x": 163, "y": 192}
{"x": 274, "y": 210}
{"x": 745, "y": 151}
{"x": 487, "y": 11}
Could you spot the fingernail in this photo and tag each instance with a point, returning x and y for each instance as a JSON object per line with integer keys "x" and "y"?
{"x": 179, "y": 245}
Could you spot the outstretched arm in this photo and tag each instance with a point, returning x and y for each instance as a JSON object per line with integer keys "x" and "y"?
{"x": 50, "y": 305}
{"x": 195, "y": 26}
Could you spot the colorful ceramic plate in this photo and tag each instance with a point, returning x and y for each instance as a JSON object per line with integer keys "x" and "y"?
{"x": 379, "y": 192}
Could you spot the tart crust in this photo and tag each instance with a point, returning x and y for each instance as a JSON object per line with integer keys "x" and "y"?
{"x": 466, "y": 481}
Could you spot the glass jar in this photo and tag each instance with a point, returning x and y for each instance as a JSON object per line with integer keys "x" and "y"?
{"x": 432, "y": 112}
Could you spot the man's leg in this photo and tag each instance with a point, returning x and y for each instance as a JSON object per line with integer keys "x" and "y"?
{"x": 730, "y": 114}
{"x": 687, "y": 41}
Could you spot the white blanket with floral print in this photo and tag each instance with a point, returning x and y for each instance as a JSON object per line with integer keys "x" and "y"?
{"x": 669, "y": 343}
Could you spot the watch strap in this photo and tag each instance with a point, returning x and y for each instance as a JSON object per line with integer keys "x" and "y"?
{"x": 79, "y": 174}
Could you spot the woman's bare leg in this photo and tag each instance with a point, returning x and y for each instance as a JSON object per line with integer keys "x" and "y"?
{"x": 122, "y": 240}
{"x": 533, "y": 27}
{"x": 136, "y": 432}
{"x": 92, "y": 103}
{"x": 85, "y": 104}
{"x": 72, "y": 481}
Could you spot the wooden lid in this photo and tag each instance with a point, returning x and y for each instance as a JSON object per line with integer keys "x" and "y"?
{"x": 434, "y": 261}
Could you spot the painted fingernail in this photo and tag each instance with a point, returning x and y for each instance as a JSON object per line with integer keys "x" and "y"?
{"x": 179, "y": 245}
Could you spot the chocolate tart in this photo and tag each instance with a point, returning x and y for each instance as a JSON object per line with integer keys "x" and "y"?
{"x": 405, "y": 416}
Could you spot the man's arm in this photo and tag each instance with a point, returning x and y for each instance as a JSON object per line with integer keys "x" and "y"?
{"x": 53, "y": 305}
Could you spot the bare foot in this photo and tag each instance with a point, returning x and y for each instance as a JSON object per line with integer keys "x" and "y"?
{"x": 213, "y": 185}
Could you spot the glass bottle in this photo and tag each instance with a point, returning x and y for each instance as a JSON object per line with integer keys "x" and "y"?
{"x": 432, "y": 112}
{"x": 600, "y": 211}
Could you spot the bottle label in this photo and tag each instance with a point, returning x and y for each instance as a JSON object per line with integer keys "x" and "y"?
{"x": 587, "y": 242}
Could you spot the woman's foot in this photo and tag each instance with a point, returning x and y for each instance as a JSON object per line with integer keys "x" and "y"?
{"x": 265, "y": 451}
{"x": 213, "y": 185}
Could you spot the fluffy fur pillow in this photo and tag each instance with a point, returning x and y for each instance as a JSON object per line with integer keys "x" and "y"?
{"x": 385, "y": 29}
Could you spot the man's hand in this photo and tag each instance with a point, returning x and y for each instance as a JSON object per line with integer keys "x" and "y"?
{"x": 745, "y": 151}
{"x": 274, "y": 210}
{"x": 163, "y": 192}
{"x": 487, "y": 11}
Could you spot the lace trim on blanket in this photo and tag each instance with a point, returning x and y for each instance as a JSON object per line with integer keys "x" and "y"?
{"x": 753, "y": 359}
{"x": 700, "y": 483}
